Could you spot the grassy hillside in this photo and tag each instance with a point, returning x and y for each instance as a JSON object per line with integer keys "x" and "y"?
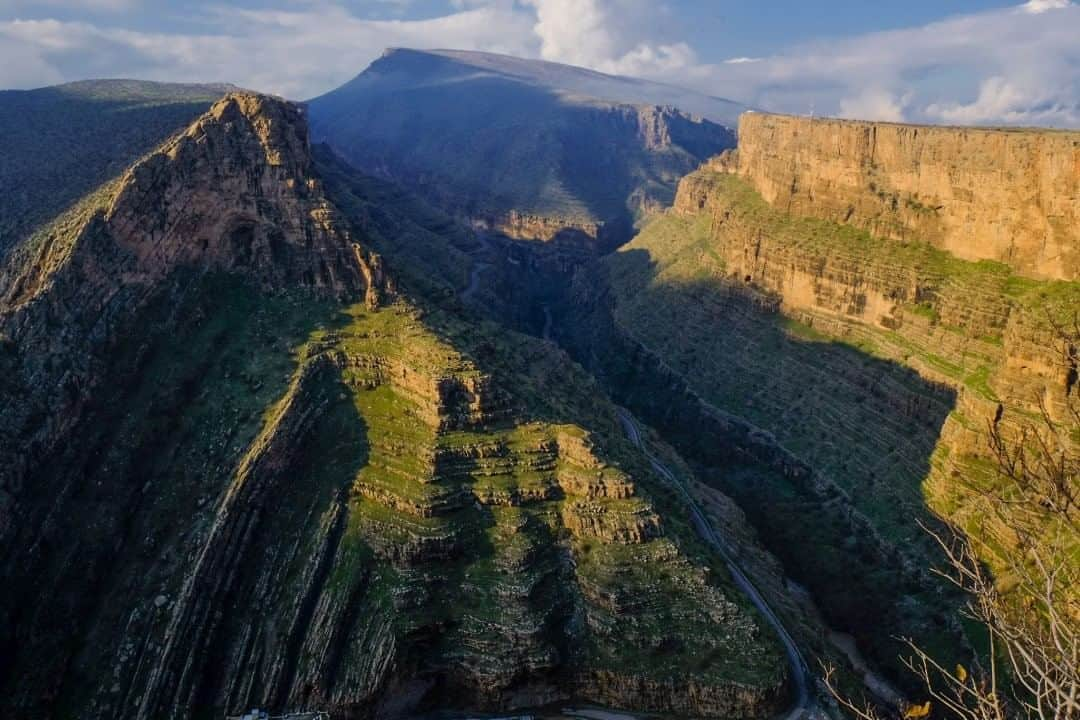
{"x": 60, "y": 143}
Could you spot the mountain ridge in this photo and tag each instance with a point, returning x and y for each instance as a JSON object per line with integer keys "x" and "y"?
{"x": 638, "y": 90}
{"x": 61, "y": 143}
{"x": 291, "y": 483}
{"x": 511, "y": 153}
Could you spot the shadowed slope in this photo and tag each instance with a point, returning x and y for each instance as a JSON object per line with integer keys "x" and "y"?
{"x": 244, "y": 469}
{"x": 60, "y": 143}
{"x": 522, "y": 152}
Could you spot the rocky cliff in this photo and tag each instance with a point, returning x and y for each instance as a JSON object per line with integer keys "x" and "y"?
{"x": 60, "y": 143}
{"x": 232, "y": 193}
{"x": 1007, "y": 195}
{"x": 872, "y": 366}
{"x": 243, "y": 468}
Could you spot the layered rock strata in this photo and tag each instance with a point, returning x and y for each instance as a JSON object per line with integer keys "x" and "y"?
{"x": 874, "y": 365}
{"x": 249, "y": 472}
{"x": 1010, "y": 195}
{"x": 233, "y": 193}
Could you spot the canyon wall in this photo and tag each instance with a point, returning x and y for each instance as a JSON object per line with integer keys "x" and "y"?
{"x": 241, "y": 467}
{"x": 981, "y": 194}
{"x": 868, "y": 340}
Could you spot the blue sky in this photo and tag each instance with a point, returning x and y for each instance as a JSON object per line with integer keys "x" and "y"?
{"x": 950, "y": 61}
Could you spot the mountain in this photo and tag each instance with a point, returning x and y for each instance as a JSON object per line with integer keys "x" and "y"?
{"x": 865, "y": 320}
{"x": 589, "y": 83}
{"x": 532, "y": 149}
{"x": 60, "y": 143}
{"x": 245, "y": 461}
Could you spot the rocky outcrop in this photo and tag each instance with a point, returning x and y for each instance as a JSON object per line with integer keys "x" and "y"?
{"x": 1007, "y": 195}
{"x": 243, "y": 470}
{"x": 683, "y": 699}
{"x": 233, "y": 193}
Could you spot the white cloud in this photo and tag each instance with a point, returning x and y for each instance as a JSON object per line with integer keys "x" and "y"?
{"x": 1014, "y": 65}
{"x": 1018, "y": 65}
{"x": 22, "y": 65}
{"x": 1035, "y": 7}
{"x": 873, "y": 104}
{"x": 615, "y": 36}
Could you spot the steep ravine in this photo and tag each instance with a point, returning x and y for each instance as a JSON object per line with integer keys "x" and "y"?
{"x": 863, "y": 369}
{"x": 252, "y": 467}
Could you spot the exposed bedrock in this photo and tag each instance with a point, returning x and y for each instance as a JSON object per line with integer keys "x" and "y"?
{"x": 251, "y": 472}
{"x": 233, "y": 193}
{"x": 1011, "y": 195}
{"x": 840, "y": 381}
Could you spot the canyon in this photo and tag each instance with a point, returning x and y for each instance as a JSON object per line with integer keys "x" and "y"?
{"x": 484, "y": 385}
{"x": 798, "y": 326}
{"x": 247, "y": 463}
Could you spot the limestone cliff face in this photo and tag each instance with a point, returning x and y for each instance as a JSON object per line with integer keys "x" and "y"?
{"x": 865, "y": 366}
{"x": 975, "y": 318}
{"x": 981, "y": 194}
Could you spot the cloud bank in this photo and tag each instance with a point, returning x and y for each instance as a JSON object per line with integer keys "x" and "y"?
{"x": 1018, "y": 65}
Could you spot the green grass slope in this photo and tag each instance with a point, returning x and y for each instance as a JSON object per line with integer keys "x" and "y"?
{"x": 60, "y": 143}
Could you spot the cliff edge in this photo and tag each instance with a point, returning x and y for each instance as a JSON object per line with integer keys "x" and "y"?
{"x": 1009, "y": 195}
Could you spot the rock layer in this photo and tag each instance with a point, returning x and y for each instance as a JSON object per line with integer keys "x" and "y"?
{"x": 981, "y": 194}
{"x": 242, "y": 469}
{"x": 876, "y": 365}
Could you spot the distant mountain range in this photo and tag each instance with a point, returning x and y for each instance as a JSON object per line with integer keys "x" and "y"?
{"x": 531, "y": 148}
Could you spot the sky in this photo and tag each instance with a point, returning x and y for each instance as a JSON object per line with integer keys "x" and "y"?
{"x": 938, "y": 61}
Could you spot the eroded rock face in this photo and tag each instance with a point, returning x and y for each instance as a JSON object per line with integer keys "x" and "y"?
{"x": 233, "y": 193}
{"x": 243, "y": 470}
{"x": 981, "y": 194}
{"x": 876, "y": 366}
{"x": 975, "y": 318}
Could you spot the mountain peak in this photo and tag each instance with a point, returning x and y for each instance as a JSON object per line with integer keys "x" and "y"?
{"x": 279, "y": 126}
{"x": 234, "y": 191}
{"x": 423, "y": 66}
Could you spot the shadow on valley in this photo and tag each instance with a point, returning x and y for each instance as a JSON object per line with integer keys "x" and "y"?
{"x": 823, "y": 445}
{"x": 167, "y": 475}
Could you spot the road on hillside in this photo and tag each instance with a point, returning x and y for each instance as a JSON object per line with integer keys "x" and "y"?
{"x": 804, "y": 702}
{"x": 474, "y": 281}
{"x": 804, "y": 705}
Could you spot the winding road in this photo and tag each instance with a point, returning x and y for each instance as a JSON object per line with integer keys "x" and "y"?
{"x": 474, "y": 281}
{"x": 804, "y": 705}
